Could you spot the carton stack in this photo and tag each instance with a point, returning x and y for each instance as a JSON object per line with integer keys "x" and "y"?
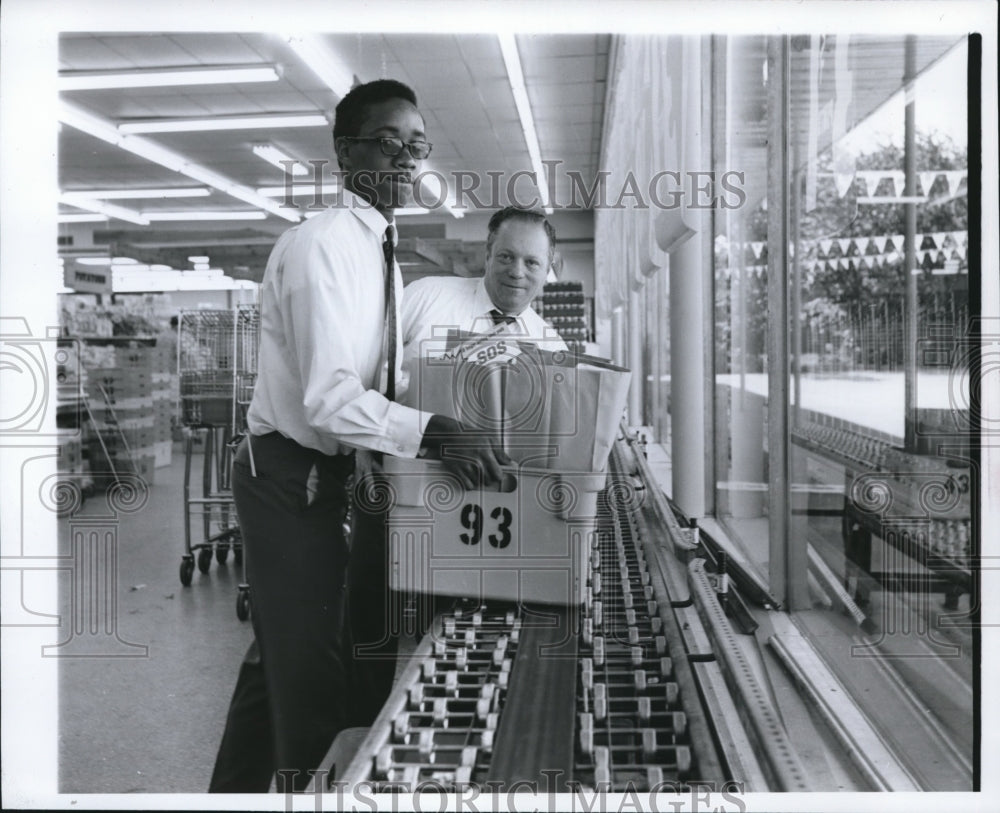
{"x": 121, "y": 438}
{"x": 163, "y": 363}
{"x": 70, "y": 455}
{"x": 164, "y": 404}
{"x": 563, "y": 306}
{"x": 126, "y": 401}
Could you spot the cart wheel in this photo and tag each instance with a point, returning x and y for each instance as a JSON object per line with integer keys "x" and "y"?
{"x": 204, "y": 559}
{"x": 187, "y": 569}
{"x": 243, "y": 604}
{"x": 222, "y": 552}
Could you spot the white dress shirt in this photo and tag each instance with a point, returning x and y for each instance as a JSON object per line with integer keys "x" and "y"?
{"x": 434, "y": 305}
{"x": 322, "y": 360}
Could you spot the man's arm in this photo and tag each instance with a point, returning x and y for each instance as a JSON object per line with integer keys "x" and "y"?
{"x": 322, "y": 310}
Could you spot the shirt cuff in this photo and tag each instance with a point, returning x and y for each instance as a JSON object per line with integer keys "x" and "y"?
{"x": 406, "y": 429}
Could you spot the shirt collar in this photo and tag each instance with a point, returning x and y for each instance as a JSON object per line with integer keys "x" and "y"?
{"x": 369, "y": 215}
{"x": 482, "y": 304}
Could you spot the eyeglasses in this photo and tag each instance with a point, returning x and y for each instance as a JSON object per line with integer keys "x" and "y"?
{"x": 394, "y": 146}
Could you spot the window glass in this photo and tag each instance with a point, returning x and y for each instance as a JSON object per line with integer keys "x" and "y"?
{"x": 880, "y": 479}
{"x": 741, "y": 307}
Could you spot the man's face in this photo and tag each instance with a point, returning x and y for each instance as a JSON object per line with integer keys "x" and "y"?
{"x": 383, "y": 180}
{"x": 516, "y": 265}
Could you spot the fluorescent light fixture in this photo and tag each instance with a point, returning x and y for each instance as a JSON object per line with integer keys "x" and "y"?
{"x": 197, "y": 259}
{"x": 109, "y": 209}
{"x": 94, "y": 260}
{"x": 201, "y": 266}
{"x": 512, "y": 60}
{"x": 82, "y": 218}
{"x": 137, "y": 145}
{"x": 139, "y": 194}
{"x": 123, "y": 261}
{"x": 201, "y": 124}
{"x": 160, "y": 278}
{"x": 205, "y": 215}
{"x": 299, "y": 190}
{"x": 281, "y": 160}
{"x": 200, "y": 75}
{"x": 437, "y": 189}
{"x": 313, "y": 50}
{"x": 409, "y": 211}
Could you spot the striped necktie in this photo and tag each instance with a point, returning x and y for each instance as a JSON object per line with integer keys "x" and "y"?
{"x": 390, "y": 313}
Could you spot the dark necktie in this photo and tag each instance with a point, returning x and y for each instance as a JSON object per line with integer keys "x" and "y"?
{"x": 390, "y": 314}
{"x": 501, "y": 319}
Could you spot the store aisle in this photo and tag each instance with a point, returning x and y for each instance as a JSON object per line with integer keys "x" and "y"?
{"x": 151, "y": 724}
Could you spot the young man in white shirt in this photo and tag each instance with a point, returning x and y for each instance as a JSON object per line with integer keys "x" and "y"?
{"x": 329, "y": 362}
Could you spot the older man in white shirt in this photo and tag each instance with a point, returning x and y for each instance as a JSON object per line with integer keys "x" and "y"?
{"x": 519, "y": 249}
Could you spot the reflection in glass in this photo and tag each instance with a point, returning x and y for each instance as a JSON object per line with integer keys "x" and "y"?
{"x": 880, "y": 493}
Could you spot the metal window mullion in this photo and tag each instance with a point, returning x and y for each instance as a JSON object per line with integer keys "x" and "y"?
{"x": 786, "y": 565}
{"x": 910, "y": 247}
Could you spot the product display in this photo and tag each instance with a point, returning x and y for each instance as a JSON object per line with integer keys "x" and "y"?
{"x": 563, "y": 306}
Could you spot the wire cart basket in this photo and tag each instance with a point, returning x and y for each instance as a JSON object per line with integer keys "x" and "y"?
{"x": 217, "y": 367}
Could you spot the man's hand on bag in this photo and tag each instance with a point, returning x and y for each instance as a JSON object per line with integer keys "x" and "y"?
{"x": 473, "y": 457}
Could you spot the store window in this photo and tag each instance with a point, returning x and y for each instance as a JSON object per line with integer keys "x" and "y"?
{"x": 868, "y": 540}
{"x": 880, "y": 488}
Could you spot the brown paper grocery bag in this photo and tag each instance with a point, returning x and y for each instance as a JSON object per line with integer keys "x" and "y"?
{"x": 586, "y": 400}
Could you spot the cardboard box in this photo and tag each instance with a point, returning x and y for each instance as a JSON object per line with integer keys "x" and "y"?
{"x": 528, "y": 540}
{"x": 163, "y": 452}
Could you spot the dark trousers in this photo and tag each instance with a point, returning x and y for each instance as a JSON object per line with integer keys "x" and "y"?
{"x": 293, "y": 691}
{"x": 374, "y": 612}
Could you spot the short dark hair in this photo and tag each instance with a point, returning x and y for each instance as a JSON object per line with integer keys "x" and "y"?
{"x": 352, "y": 109}
{"x": 526, "y": 215}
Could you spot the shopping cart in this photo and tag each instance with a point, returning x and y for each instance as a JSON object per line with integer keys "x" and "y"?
{"x": 247, "y": 343}
{"x": 216, "y": 363}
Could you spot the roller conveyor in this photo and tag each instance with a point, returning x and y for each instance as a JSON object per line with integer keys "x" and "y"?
{"x": 631, "y": 726}
{"x": 597, "y": 697}
{"x": 440, "y": 723}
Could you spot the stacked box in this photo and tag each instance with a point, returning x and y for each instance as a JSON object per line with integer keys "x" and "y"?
{"x": 163, "y": 453}
{"x": 164, "y": 403}
{"x": 113, "y": 458}
{"x": 564, "y": 307}
{"x": 527, "y": 540}
{"x": 70, "y": 454}
{"x": 122, "y": 406}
